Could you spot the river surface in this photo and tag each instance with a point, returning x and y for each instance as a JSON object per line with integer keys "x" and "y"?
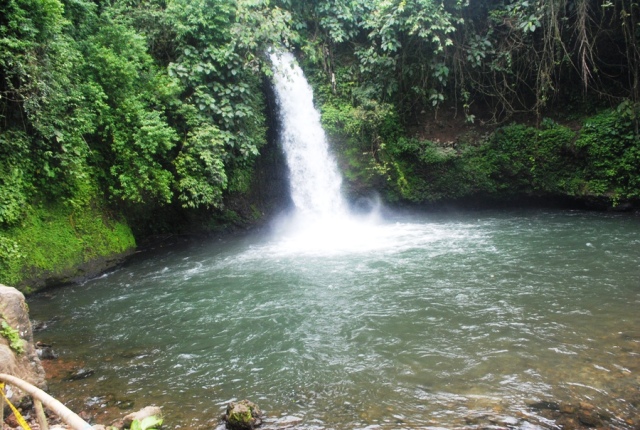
{"x": 508, "y": 318}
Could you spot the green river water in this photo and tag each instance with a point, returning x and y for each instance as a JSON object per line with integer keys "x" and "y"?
{"x": 477, "y": 319}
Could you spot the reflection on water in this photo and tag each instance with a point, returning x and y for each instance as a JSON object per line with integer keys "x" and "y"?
{"x": 491, "y": 318}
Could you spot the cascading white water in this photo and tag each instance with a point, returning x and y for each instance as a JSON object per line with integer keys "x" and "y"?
{"x": 322, "y": 222}
{"x": 314, "y": 178}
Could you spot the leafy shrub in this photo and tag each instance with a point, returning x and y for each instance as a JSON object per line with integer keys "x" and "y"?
{"x": 360, "y": 135}
{"x": 527, "y": 160}
{"x": 610, "y": 150}
{"x": 13, "y": 336}
{"x": 15, "y": 176}
{"x": 200, "y": 168}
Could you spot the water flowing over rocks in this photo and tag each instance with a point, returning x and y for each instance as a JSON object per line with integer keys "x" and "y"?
{"x": 78, "y": 374}
{"x": 25, "y": 365}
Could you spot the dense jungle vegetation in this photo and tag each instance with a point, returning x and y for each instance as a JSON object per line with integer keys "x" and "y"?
{"x": 125, "y": 118}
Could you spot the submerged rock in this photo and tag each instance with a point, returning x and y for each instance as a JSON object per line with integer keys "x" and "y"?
{"x": 45, "y": 352}
{"x": 552, "y": 406}
{"x": 243, "y": 415}
{"x": 589, "y": 418}
{"x": 78, "y": 374}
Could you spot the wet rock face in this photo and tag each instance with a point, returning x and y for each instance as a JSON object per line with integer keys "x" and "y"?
{"x": 243, "y": 415}
{"x": 26, "y": 364}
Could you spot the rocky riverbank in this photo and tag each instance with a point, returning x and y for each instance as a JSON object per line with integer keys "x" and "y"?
{"x": 21, "y": 357}
{"x": 18, "y": 356}
{"x": 576, "y": 414}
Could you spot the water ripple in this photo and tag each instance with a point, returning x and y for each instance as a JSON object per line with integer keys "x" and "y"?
{"x": 412, "y": 322}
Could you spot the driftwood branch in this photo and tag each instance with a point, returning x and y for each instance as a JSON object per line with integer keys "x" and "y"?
{"x": 65, "y": 414}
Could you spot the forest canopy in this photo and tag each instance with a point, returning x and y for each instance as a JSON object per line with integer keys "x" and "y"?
{"x": 125, "y": 119}
{"x": 158, "y": 103}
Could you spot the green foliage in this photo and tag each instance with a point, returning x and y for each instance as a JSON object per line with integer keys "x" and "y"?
{"x": 360, "y": 134}
{"x": 601, "y": 160}
{"x": 13, "y": 336}
{"x": 220, "y": 48}
{"x": 610, "y": 146}
{"x": 200, "y": 168}
{"x": 56, "y": 237}
{"x": 217, "y": 72}
{"x": 148, "y": 423}
{"x": 158, "y": 105}
{"x": 131, "y": 122}
{"x": 506, "y": 57}
{"x": 517, "y": 160}
{"x": 11, "y": 259}
{"x": 33, "y": 52}
{"x": 527, "y": 160}
{"x": 15, "y": 170}
{"x": 404, "y": 57}
{"x": 423, "y": 171}
{"x": 241, "y": 179}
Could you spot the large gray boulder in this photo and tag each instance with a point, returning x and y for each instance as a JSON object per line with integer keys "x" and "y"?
{"x": 25, "y": 364}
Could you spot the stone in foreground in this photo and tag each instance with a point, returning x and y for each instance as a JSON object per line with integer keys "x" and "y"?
{"x": 243, "y": 415}
{"x": 23, "y": 363}
{"x": 149, "y": 411}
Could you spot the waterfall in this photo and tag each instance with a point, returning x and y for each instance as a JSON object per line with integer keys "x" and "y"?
{"x": 322, "y": 223}
{"x": 314, "y": 178}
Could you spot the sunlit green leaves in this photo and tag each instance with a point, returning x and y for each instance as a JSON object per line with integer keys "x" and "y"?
{"x": 31, "y": 20}
{"x": 530, "y": 23}
{"x": 201, "y": 22}
{"x": 219, "y": 72}
{"x": 147, "y": 423}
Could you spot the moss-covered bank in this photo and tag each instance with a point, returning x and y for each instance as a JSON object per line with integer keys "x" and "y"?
{"x": 62, "y": 241}
{"x": 64, "y": 238}
{"x": 590, "y": 159}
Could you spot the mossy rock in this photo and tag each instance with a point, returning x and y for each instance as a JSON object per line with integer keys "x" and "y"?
{"x": 243, "y": 415}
